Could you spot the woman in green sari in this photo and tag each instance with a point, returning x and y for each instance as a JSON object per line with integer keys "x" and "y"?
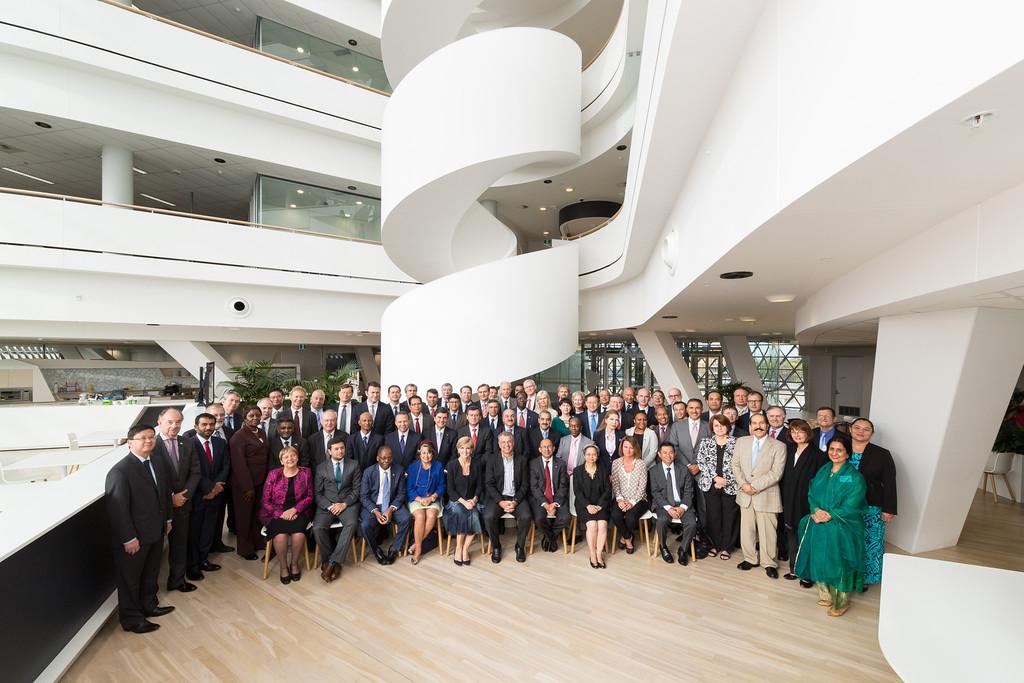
{"x": 831, "y": 549}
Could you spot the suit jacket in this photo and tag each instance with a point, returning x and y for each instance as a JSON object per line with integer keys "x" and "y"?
{"x": 457, "y": 420}
{"x": 661, "y": 491}
{"x": 764, "y": 475}
{"x": 585, "y": 419}
{"x": 185, "y": 475}
{"x": 211, "y": 474}
{"x": 309, "y": 423}
{"x": 507, "y": 403}
{"x": 269, "y": 430}
{"x": 326, "y": 492}
{"x": 816, "y": 438}
{"x": 138, "y": 508}
{"x": 277, "y": 445}
{"x": 531, "y": 418}
{"x": 600, "y": 440}
{"x": 314, "y": 449}
{"x": 484, "y": 440}
{"x": 370, "y": 485}
{"x": 565, "y": 445}
{"x": 783, "y": 435}
{"x": 399, "y": 457}
{"x": 744, "y": 419}
{"x": 494, "y": 479}
{"x": 520, "y": 443}
{"x": 796, "y": 479}
{"x": 499, "y": 427}
{"x": 383, "y": 423}
{"x": 737, "y": 432}
{"x": 559, "y": 481}
{"x": 364, "y": 455}
{"x": 347, "y": 428}
{"x": 425, "y": 421}
{"x": 447, "y": 447}
{"x": 534, "y": 437}
{"x": 679, "y": 436}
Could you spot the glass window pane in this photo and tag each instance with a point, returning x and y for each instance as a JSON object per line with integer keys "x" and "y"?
{"x": 288, "y": 204}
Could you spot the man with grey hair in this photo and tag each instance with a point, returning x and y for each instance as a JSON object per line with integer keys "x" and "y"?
{"x": 232, "y": 402}
{"x": 177, "y": 456}
{"x": 316, "y": 406}
{"x": 268, "y": 423}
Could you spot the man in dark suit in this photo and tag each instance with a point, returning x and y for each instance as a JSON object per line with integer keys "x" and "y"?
{"x": 643, "y": 398}
{"x": 225, "y": 505}
{"x": 479, "y": 433}
{"x": 336, "y": 494}
{"x": 233, "y": 418}
{"x": 525, "y": 418}
{"x": 214, "y": 467}
{"x": 316, "y": 406}
{"x": 777, "y": 424}
{"x": 285, "y": 437}
{"x": 542, "y": 431}
{"x": 826, "y": 429}
{"x": 314, "y": 449}
{"x": 456, "y": 415}
{"x": 344, "y": 409}
{"x": 267, "y": 420}
{"x": 570, "y": 448}
{"x": 403, "y": 442}
{"x": 662, "y": 424}
{"x": 410, "y": 391}
{"x": 520, "y": 444}
{"x": 442, "y": 436}
{"x": 419, "y": 418}
{"x": 492, "y": 418}
{"x": 672, "y": 501}
{"x": 755, "y": 406}
{"x": 394, "y": 402}
{"x": 505, "y": 398}
{"x": 138, "y": 501}
{"x": 382, "y": 494}
{"x": 362, "y": 446}
{"x": 177, "y": 456}
{"x": 506, "y": 484}
{"x": 714, "y": 401}
{"x": 301, "y": 415}
{"x": 549, "y": 494}
{"x": 735, "y": 430}
{"x": 591, "y": 417}
{"x": 383, "y": 417}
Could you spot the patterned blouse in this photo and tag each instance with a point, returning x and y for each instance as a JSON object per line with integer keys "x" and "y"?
{"x": 629, "y": 485}
{"x": 707, "y": 461}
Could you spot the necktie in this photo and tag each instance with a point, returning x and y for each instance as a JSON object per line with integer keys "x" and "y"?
{"x": 298, "y": 421}
{"x": 672, "y": 484}
{"x": 337, "y": 474}
{"x": 549, "y": 493}
{"x": 773, "y": 432}
{"x": 661, "y": 430}
{"x": 440, "y": 437}
{"x": 522, "y": 418}
{"x": 574, "y": 447}
{"x": 754, "y": 452}
{"x": 473, "y": 431}
{"x": 209, "y": 453}
{"x": 344, "y": 418}
{"x": 285, "y": 443}
{"x": 373, "y": 411}
{"x": 693, "y": 433}
{"x": 385, "y": 501}
{"x": 366, "y": 441}
{"x": 231, "y": 421}
{"x": 149, "y": 466}
{"x": 417, "y": 430}
{"x": 494, "y": 424}
{"x": 593, "y": 423}
{"x": 220, "y": 433}
{"x": 401, "y": 443}
{"x": 172, "y": 448}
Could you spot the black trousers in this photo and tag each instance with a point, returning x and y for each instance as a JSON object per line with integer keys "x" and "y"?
{"x": 177, "y": 546}
{"x": 202, "y": 532}
{"x": 225, "y": 505}
{"x": 492, "y": 520}
{"x": 629, "y": 521}
{"x": 792, "y": 543}
{"x": 546, "y": 526}
{"x": 137, "y": 577}
{"x": 782, "y": 538}
{"x": 722, "y": 518}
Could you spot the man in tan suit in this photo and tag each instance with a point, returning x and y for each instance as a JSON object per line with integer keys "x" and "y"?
{"x": 757, "y": 464}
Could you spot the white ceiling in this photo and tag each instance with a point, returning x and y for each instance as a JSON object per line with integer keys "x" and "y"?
{"x": 188, "y": 177}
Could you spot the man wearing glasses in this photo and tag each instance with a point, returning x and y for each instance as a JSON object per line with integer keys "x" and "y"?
{"x": 138, "y": 500}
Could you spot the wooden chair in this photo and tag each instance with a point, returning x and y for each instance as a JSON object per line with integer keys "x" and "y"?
{"x": 270, "y": 547}
{"x": 533, "y": 534}
{"x": 507, "y": 515}
{"x": 1001, "y": 466}
{"x": 645, "y": 533}
{"x": 693, "y": 547}
{"x": 440, "y": 536}
{"x": 448, "y": 546}
{"x": 362, "y": 545}
{"x": 316, "y": 553}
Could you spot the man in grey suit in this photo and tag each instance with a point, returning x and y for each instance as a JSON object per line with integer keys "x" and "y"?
{"x": 672, "y": 500}
{"x": 549, "y": 494}
{"x": 685, "y": 434}
{"x": 336, "y": 492}
{"x": 757, "y": 465}
{"x": 177, "y": 455}
{"x": 570, "y": 448}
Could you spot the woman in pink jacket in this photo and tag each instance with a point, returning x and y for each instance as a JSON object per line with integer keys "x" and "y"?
{"x": 287, "y": 498}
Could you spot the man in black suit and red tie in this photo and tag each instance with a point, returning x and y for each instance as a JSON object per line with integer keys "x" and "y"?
{"x": 138, "y": 501}
{"x": 480, "y": 433}
{"x": 383, "y": 416}
{"x": 177, "y": 456}
{"x": 418, "y": 417}
{"x": 301, "y": 415}
{"x": 214, "y": 467}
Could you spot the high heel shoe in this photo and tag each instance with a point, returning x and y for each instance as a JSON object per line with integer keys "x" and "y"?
{"x": 296, "y": 575}
{"x": 602, "y": 565}
{"x": 458, "y": 563}
{"x": 286, "y": 579}
{"x": 465, "y": 562}
{"x": 595, "y": 566}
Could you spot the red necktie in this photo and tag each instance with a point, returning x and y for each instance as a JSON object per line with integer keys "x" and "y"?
{"x": 209, "y": 453}
{"x": 773, "y": 433}
{"x": 474, "y": 436}
{"x": 549, "y": 493}
{"x": 522, "y": 418}
{"x": 417, "y": 425}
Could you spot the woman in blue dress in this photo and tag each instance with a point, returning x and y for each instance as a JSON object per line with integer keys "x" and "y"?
{"x": 425, "y": 484}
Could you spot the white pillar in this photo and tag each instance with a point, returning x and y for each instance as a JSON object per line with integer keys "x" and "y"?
{"x": 369, "y": 370}
{"x": 666, "y": 362}
{"x": 491, "y": 205}
{"x": 941, "y": 385}
{"x": 742, "y": 367}
{"x": 194, "y": 355}
{"x": 117, "y": 179}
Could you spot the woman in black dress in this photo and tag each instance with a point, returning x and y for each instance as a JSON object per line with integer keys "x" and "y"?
{"x": 592, "y": 487}
{"x": 803, "y": 460}
{"x": 287, "y": 498}
{"x": 465, "y": 487}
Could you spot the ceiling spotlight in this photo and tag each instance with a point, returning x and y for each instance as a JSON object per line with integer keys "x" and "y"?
{"x": 301, "y": 50}
{"x": 352, "y": 42}
{"x": 974, "y": 120}
{"x": 43, "y": 124}
{"x": 548, "y": 181}
{"x": 736, "y": 275}
{"x": 359, "y": 203}
{"x": 542, "y": 208}
{"x": 669, "y": 317}
{"x": 351, "y": 187}
{"x": 747, "y": 319}
{"x": 219, "y": 160}
{"x": 689, "y": 330}
{"x": 291, "y": 206}
{"x": 26, "y": 175}
{"x": 355, "y": 68}
{"x": 547, "y": 232}
{"x": 620, "y": 147}
{"x": 569, "y": 189}
{"x": 138, "y": 170}
{"x": 301, "y": 191}
{"x": 780, "y": 298}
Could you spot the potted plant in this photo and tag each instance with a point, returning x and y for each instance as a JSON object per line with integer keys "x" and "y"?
{"x": 254, "y": 380}
{"x": 331, "y": 382}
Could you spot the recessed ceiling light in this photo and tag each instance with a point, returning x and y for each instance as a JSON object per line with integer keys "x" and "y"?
{"x": 301, "y": 50}
{"x": 975, "y": 120}
{"x": 736, "y": 275}
{"x": 669, "y": 317}
{"x": 348, "y": 215}
{"x": 42, "y": 180}
{"x": 542, "y": 208}
{"x": 301, "y": 191}
{"x": 689, "y": 330}
{"x": 138, "y": 170}
{"x": 547, "y": 232}
{"x": 219, "y": 160}
{"x": 291, "y": 206}
{"x": 776, "y": 333}
{"x": 620, "y": 147}
{"x": 351, "y": 187}
{"x": 747, "y": 319}
{"x": 352, "y": 42}
{"x": 155, "y": 199}
{"x": 359, "y": 203}
{"x": 548, "y": 181}
{"x": 43, "y": 124}
{"x": 780, "y": 298}
{"x": 355, "y": 68}
{"x": 569, "y": 189}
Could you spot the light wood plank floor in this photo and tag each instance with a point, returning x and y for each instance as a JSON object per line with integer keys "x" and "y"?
{"x": 550, "y": 619}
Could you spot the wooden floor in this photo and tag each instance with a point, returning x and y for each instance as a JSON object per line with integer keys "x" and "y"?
{"x": 550, "y": 619}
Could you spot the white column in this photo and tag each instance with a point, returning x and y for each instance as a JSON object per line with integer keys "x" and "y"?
{"x": 117, "y": 179}
{"x": 193, "y": 355}
{"x": 941, "y": 385}
{"x": 491, "y": 205}
{"x": 741, "y": 362}
{"x": 666, "y": 362}
{"x": 369, "y": 370}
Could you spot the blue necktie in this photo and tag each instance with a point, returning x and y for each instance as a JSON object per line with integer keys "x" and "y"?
{"x": 401, "y": 444}
{"x": 754, "y": 453}
{"x": 593, "y": 424}
{"x": 385, "y": 501}
{"x": 337, "y": 474}
{"x": 366, "y": 441}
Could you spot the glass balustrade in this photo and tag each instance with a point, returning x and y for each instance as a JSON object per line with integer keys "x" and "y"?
{"x": 289, "y": 204}
{"x": 303, "y": 48}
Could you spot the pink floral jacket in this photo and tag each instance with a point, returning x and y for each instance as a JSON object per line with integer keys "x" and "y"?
{"x": 276, "y": 490}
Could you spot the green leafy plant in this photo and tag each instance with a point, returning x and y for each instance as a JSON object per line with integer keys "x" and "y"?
{"x": 727, "y": 390}
{"x": 1010, "y": 437}
{"x": 255, "y": 379}
{"x": 330, "y": 382}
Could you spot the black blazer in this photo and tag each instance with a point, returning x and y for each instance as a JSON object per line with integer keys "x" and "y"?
{"x": 879, "y": 470}
{"x": 211, "y": 474}
{"x": 607, "y": 457}
{"x": 364, "y": 455}
{"x": 369, "y": 485}
{"x": 447, "y": 448}
{"x": 239, "y": 420}
{"x": 796, "y": 479}
{"x": 137, "y": 507}
{"x": 596, "y": 491}
{"x": 399, "y": 457}
{"x": 585, "y": 419}
{"x": 425, "y": 421}
{"x": 743, "y": 421}
{"x": 485, "y": 444}
{"x": 534, "y": 437}
{"x": 309, "y": 422}
{"x": 531, "y": 418}
{"x": 314, "y": 451}
{"x": 186, "y": 474}
{"x": 783, "y": 435}
{"x": 495, "y": 477}
{"x": 816, "y": 437}
{"x": 520, "y": 443}
{"x": 382, "y": 424}
{"x": 559, "y": 481}
{"x": 276, "y": 446}
{"x": 461, "y": 486}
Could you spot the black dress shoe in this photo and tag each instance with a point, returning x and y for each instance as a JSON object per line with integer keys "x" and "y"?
{"x": 595, "y": 566}
{"x": 745, "y": 566}
{"x": 772, "y": 572}
{"x": 286, "y": 579}
{"x": 251, "y": 557}
{"x": 222, "y": 548}
{"x": 141, "y": 627}
{"x": 496, "y": 554}
{"x": 391, "y": 557}
{"x": 209, "y": 567}
{"x": 194, "y": 576}
{"x": 684, "y": 558}
{"x": 666, "y": 555}
{"x": 465, "y": 562}
{"x": 790, "y": 576}
{"x": 381, "y": 557}
{"x": 805, "y": 583}
{"x": 160, "y": 611}
{"x": 520, "y": 553}
{"x": 630, "y": 551}
{"x": 296, "y": 575}
{"x": 185, "y": 587}
{"x": 602, "y": 565}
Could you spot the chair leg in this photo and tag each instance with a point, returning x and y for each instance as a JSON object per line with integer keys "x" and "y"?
{"x": 647, "y": 536}
{"x": 316, "y": 555}
{"x": 565, "y": 545}
{"x": 612, "y": 538}
{"x": 533, "y": 531}
{"x": 572, "y": 533}
{"x": 440, "y": 539}
{"x": 305, "y": 547}
{"x": 1009, "y": 489}
{"x": 693, "y": 551}
{"x": 266, "y": 560}
{"x": 362, "y": 551}
{"x": 353, "y": 549}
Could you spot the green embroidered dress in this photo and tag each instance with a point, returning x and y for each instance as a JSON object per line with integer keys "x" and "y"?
{"x": 832, "y": 553}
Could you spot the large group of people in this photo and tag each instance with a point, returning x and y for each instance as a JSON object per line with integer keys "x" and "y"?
{"x": 715, "y": 474}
